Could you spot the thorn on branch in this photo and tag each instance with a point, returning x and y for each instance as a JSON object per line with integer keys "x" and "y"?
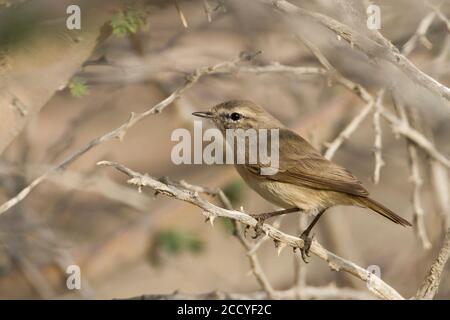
{"x": 280, "y": 248}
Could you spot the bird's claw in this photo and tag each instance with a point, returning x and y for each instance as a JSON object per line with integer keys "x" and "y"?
{"x": 307, "y": 241}
{"x": 245, "y": 231}
{"x": 258, "y": 226}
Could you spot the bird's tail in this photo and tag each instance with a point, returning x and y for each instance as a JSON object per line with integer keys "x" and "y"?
{"x": 385, "y": 212}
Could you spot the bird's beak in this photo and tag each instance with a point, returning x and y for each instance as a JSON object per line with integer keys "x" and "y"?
{"x": 203, "y": 114}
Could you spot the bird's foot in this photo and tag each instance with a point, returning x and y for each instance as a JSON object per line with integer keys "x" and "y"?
{"x": 307, "y": 241}
{"x": 261, "y": 218}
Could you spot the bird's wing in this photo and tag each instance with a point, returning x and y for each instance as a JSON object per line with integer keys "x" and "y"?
{"x": 301, "y": 164}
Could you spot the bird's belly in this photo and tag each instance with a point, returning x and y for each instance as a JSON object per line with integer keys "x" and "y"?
{"x": 288, "y": 195}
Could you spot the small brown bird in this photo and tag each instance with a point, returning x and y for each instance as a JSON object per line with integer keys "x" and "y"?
{"x": 305, "y": 181}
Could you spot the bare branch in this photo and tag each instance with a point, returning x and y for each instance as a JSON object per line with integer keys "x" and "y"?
{"x": 276, "y": 67}
{"x": 416, "y": 179}
{"x": 420, "y": 35}
{"x": 238, "y": 233}
{"x": 348, "y": 130}
{"x": 419, "y": 212}
{"x": 400, "y": 127}
{"x": 300, "y": 268}
{"x": 378, "y": 143}
{"x": 382, "y": 48}
{"x": 430, "y": 286}
{"x": 440, "y": 15}
{"x": 207, "y": 9}
{"x": 264, "y": 238}
{"x": 441, "y": 191}
{"x": 358, "y": 89}
{"x": 374, "y": 283}
{"x": 231, "y": 67}
{"x": 309, "y": 293}
{"x": 181, "y": 14}
{"x": 255, "y": 264}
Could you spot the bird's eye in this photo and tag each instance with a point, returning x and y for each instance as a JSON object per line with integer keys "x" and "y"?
{"x": 235, "y": 116}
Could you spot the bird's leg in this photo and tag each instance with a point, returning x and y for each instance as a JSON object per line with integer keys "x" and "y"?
{"x": 267, "y": 215}
{"x": 305, "y": 236}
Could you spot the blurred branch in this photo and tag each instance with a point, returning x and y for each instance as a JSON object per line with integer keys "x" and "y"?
{"x": 207, "y": 9}
{"x": 441, "y": 191}
{"x": 380, "y": 48}
{"x": 354, "y": 87}
{"x": 254, "y": 263}
{"x": 238, "y": 233}
{"x": 120, "y": 131}
{"x": 420, "y": 35}
{"x": 232, "y": 67}
{"x": 300, "y": 269}
{"x": 378, "y": 143}
{"x": 348, "y": 130}
{"x": 439, "y": 175}
{"x": 181, "y": 14}
{"x": 31, "y": 273}
{"x": 416, "y": 179}
{"x": 402, "y": 128}
{"x": 85, "y": 182}
{"x": 430, "y": 286}
{"x": 24, "y": 92}
{"x": 411, "y": 117}
{"x": 276, "y": 67}
{"x": 419, "y": 212}
{"x": 67, "y": 138}
{"x": 374, "y": 283}
{"x": 308, "y": 293}
{"x": 440, "y": 15}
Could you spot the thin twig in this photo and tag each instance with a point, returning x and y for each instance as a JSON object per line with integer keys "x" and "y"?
{"x": 181, "y": 14}
{"x": 276, "y": 67}
{"x": 309, "y": 293}
{"x": 440, "y": 15}
{"x": 417, "y": 181}
{"x": 348, "y": 130}
{"x": 420, "y": 35}
{"x": 439, "y": 175}
{"x": 300, "y": 268}
{"x": 255, "y": 265}
{"x": 359, "y": 90}
{"x": 402, "y": 128}
{"x": 378, "y": 142}
{"x": 381, "y": 47}
{"x": 207, "y": 9}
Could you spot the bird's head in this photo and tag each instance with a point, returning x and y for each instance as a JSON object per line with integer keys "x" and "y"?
{"x": 240, "y": 114}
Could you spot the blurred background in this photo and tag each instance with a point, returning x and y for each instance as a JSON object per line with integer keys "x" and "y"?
{"x": 61, "y": 88}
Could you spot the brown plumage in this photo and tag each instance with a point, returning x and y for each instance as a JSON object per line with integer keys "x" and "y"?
{"x": 305, "y": 179}
{"x": 302, "y": 165}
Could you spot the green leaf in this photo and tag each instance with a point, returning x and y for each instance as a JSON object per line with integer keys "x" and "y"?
{"x": 234, "y": 191}
{"x": 128, "y": 21}
{"x": 78, "y": 87}
{"x": 227, "y": 224}
{"x": 177, "y": 241}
